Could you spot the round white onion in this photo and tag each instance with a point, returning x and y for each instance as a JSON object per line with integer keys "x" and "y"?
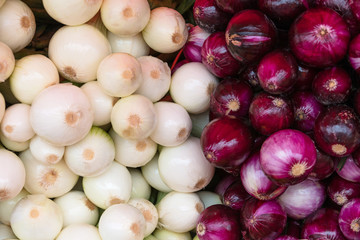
{"x": 140, "y": 187}
{"x": 77, "y": 51}
{"x": 79, "y": 231}
{"x": 2, "y": 106}
{"x": 133, "y": 45}
{"x": 61, "y": 114}
{"x": 149, "y": 211}
{"x": 7, "y": 206}
{"x": 44, "y": 151}
{"x": 31, "y": 75}
{"x": 13, "y": 145}
{"x": 166, "y": 31}
{"x": 164, "y": 234}
{"x": 7, "y": 62}
{"x": 6, "y": 232}
{"x": 17, "y": 24}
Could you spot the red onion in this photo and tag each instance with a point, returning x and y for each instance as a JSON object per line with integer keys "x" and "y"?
{"x": 224, "y": 183}
{"x": 269, "y": 113}
{"x": 192, "y": 47}
{"x": 305, "y": 77}
{"x": 288, "y": 156}
{"x": 234, "y": 6}
{"x": 263, "y": 219}
{"x": 231, "y": 97}
{"x": 337, "y": 130}
{"x": 349, "y": 219}
{"x": 341, "y": 191}
{"x": 286, "y": 237}
{"x": 249, "y": 74}
{"x": 277, "y": 71}
{"x": 354, "y": 53}
{"x": 355, "y": 8}
{"x": 209, "y": 16}
{"x": 324, "y": 166}
{"x": 293, "y": 227}
{"x": 323, "y": 224}
{"x": 306, "y": 110}
{"x": 226, "y": 143}
{"x": 255, "y": 182}
{"x": 235, "y": 195}
{"x": 332, "y": 86}
{"x": 356, "y": 157}
{"x": 349, "y": 171}
{"x": 302, "y": 199}
{"x": 218, "y": 222}
{"x": 249, "y": 35}
{"x": 216, "y": 57}
{"x": 356, "y": 101}
{"x": 319, "y": 37}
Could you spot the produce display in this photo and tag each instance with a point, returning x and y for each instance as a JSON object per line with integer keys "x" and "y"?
{"x": 180, "y": 120}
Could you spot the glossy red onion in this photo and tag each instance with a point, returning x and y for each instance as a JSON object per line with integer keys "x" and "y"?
{"x": 218, "y": 222}
{"x": 355, "y": 8}
{"x": 231, "y": 97}
{"x": 306, "y": 75}
{"x": 249, "y": 74}
{"x": 302, "y": 199}
{"x": 255, "y": 182}
{"x": 216, "y": 57}
{"x": 340, "y": 191}
{"x": 332, "y": 86}
{"x": 323, "y": 224}
{"x": 337, "y": 130}
{"x": 263, "y": 219}
{"x": 349, "y": 171}
{"x": 235, "y": 195}
{"x": 234, "y": 6}
{"x": 349, "y": 219}
{"x": 324, "y": 166}
{"x": 269, "y": 113}
{"x": 277, "y": 71}
{"x": 319, "y": 37}
{"x": 192, "y": 47}
{"x": 250, "y": 34}
{"x": 354, "y": 53}
{"x": 224, "y": 183}
{"x": 288, "y": 156}
{"x": 226, "y": 143}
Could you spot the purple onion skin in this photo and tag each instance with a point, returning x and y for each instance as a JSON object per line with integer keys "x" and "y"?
{"x": 324, "y": 166}
{"x": 263, "y": 219}
{"x": 332, "y": 86}
{"x": 354, "y": 53}
{"x": 323, "y": 224}
{"x": 303, "y": 199}
{"x": 250, "y": 34}
{"x": 235, "y": 195}
{"x": 226, "y": 143}
{"x": 209, "y": 16}
{"x": 293, "y": 227}
{"x": 231, "y": 97}
{"x": 216, "y": 57}
{"x": 350, "y": 171}
{"x": 234, "y": 6}
{"x": 218, "y": 222}
{"x": 255, "y": 182}
{"x": 340, "y": 191}
{"x": 287, "y": 157}
{"x": 319, "y": 37}
{"x": 305, "y": 77}
{"x": 277, "y": 72}
{"x": 306, "y": 110}
{"x": 269, "y": 113}
{"x": 249, "y": 74}
{"x": 286, "y": 237}
{"x": 337, "y": 130}
{"x": 355, "y": 8}
{"x": 196, "y": 39}
{"x": 349, "y": 219}
{"x": 224, "y": 183}
{"x": 356, "y": 101}
{"x": 356, "y": 157}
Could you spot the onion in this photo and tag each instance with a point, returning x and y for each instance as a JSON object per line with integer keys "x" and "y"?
{"x": 306, "y": 75}
{"x": 45, "y": 152}
{"x": 354, "y": 53}
{"x": 6, "y": 232}
{"x": 255, "y": 182}
{"x": 12, "y": 145}
{"x": 7, "y": 207}
{"x": 324, "y": 166}
{"x": 349, "y": 171}
{"x": 212, "y": 221}
{"x": 164, "y": 234}
{"x": 166, "y": 31}
{"x": 149, "y": 211}
{"x": 194, "y": 43}
{"x": 224, "y": 183}
{"x": 140, "y": 187}
{"x": 7, "y": 62}
{"x": 235, "y": 196}
{"x": 302, "y": 199}
{"x": 78, "y": 231}
{"x": 249, "y": 74}
{"x": 61, "y": 114}
{"x": 72, "y": 12}
{"x": 208, "y": 198}
{"x": 355, "y": 8}
{"x": 133, "y": 45}
{"x": 342, "y": 191}
{"x": 286, "y": 237}
{"x": 263, "y": 219}
{"x": 77, "y": 52}
{"x": 349, "y": 219}
{"x": 234, "y": 6}
{"x": 17, "y": 24}
{"x": 287, "y": 157}
{"x": 319, "y": 37}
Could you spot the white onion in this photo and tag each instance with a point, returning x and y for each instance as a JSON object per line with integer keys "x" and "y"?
{"x": 119, "y": 74}
{"x": 79, "y": 231}
{"x": 13, "y": 145}
{"x": 179, "y": 211}
{"x": 77, "y": 51}
{"x": 72, "y": 12}
{"x": 61, "y": 114}
{"x": 173, "y": 126}
{"x": 140, "y": 187}
{"x": 7, "y": 61}
{"x": 44, "y": 151}
{"x": 2, "y": 106}
{"x": 52, "y": 180}
{"x": 17, "y": 24}
{"x": 77, "y": 208}
{"x": 126, "y": 17}
{"x": 209, "y": 198}
{"x": 149, "y": 212}
{"x": 6, "y": 232}
{"x": 36, "y": 217}
{"x": 166, "y": 31}
{"x": 156, "y": 78}
{"x": 7, "y": 206}
{"x": 101, "y": 102}
{"x": 12, "y": 175}
{"x": 31, "y": 75}
{"x": 151, "y": 173}
{"x": 133, "y": 45}
{"x": 109, "y": 188}
{"x": 164, "y": 234}
{"x": 133, "y": 153}
{"x": 134, "y": 117}
{"x": 15, "y": 124}
{"x": 150, "y": 237}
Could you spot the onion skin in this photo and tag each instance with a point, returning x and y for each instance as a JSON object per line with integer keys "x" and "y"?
{"x": 350, "y": 171}
{"x": 235, "y": 196}
{"x": 324, "y": 166}
{"x": 286, "y": 237}
{"x": 355, "y": 8}
{"x": 234, "y": 6}
{"x": 354, "y": 53}
{"x": 194, "y": 43}
{"x": 319, "y": 37}
{"x": 349, "y": 219}
{"x": 249, "y": 74}
{"x": 224, "y": 183}
{"x": 340, "y": 191}
{"x": 306, "y": 75}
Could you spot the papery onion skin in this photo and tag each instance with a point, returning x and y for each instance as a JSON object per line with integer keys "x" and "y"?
{"x": 235, "y": 196}
{"x": 341, "y": 191}
{"x": 349, "y": 171}
{"x": 349, "y": 219}
{"x": 354, "y": 53}
{"x": 194, "y": 43}
{"x": 319, "y": 37}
